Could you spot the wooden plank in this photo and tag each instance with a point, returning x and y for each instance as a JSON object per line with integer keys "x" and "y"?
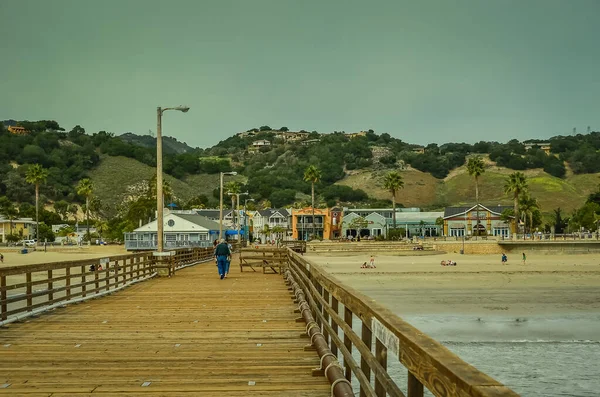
{"x": 381, "y": 356}
{"x": 367, "y": 339}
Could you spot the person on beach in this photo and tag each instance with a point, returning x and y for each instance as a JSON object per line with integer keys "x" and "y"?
{"x": 1, "y": 258}
{"x": 363, "y": 266}
{"x": 504, "y": 258}
{"x": 524, "y": 259}
{"x": 222, "y": 254}
{"x": 372, "y": 262}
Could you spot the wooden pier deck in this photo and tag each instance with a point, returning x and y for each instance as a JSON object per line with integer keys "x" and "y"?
{"x": 192, "y": 334}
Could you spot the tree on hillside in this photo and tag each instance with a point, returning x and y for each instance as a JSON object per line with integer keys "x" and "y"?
{"x": 167, "y": 189}
{"x": 393, "y": 182}
{"x": 516, "y": 183}
{"x": 61, "y": 207}
{"x": 527, "y": 206}
{"x": 85, "y": 188}
{"x": 8, "y": 211}
{"x": 313, "y": 175}
{"x": 475, "y": 166}
{"x": 560, "y": 223}
{"x": 284, "y": 129}
{"x": 35, "y": 175}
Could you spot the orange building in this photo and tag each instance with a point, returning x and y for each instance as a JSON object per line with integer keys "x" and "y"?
{"x": 17, "y": 130}
{"x": 326, "y": 225}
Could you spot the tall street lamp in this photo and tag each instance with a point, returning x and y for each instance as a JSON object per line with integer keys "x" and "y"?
{"x": 246, "y": 228}
{"x": 237, "y": 202}
{"x": 221, "y": 202}
{"x": 159, "y": 176}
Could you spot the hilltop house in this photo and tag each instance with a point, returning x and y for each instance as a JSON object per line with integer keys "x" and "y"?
{"x": 180, "y": 230}
{"x": 17, "y": 130}
{"x": 542, "y": 146}
{"x": 257, "y": 145}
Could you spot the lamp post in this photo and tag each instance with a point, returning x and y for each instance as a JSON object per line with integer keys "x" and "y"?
{"x": 237, "y": 203}
{"x": 159, "y": 177}
{"x": 221, "y": 202}
{"x": 246, "y": 228}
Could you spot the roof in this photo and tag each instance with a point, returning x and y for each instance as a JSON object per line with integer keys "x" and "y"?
{"x": 412, "y": 217}
{"x": 200, "y": 221}
{"x": 271, "y": 211}
{"x": 495, "y": 209}
{"x": 17, "y": 220}
{"x": 210, "y": 213}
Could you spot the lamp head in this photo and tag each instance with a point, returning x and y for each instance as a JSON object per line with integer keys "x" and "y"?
{"x": 183, "y": 109}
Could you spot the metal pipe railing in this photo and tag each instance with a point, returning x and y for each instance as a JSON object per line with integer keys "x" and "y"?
{"x": 340, "y": 386}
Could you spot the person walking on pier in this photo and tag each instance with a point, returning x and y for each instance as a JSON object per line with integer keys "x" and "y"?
{"x": 222, "y": 254}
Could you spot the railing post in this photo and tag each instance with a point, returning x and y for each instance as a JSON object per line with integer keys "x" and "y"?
{"x": 415, "y": 387}
{"x": 326, "y": 316}
{"x": 97, "y": 284}
{"x": 83, "y": 286}
{"x": 3, "y": 296}
{"x": 107, "y": 275}
{"x": 367, "y": 338}
{"x": 348, "y": 342}
{"x": 116, "y": 273}
{"x": 381, "y": 357}
{"x": 50, "y": 286}
{"x": 29, "y": 297}
{"x": 334, "y": 306}
{"x": 68, "y": 282}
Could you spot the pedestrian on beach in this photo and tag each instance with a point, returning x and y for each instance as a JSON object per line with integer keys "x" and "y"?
{"x": 372, "y": 262}
{"x": 524, "y": 259}
{"x": 1, "y": 258}
{"x": 222, "y": 254}
{"x": 504, "y": 258}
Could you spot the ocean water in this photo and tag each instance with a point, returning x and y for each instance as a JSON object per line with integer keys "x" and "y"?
{"x": 549, "y": 355}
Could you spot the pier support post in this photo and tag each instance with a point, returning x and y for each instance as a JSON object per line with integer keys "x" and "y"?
{"x": 163, "y": 263}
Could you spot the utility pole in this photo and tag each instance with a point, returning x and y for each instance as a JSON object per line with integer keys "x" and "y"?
{"x": 237, "y": 197}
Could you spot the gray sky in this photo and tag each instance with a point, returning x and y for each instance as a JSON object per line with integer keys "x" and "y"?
{"x": 423, "y": 71}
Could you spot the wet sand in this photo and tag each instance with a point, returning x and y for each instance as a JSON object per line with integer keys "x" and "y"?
{"x": 479, "y": 284}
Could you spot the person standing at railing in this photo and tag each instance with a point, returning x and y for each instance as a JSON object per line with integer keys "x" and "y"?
{"x": 222, "y": 254}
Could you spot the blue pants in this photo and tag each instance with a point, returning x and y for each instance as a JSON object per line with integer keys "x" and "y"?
{"x": 227, "y": 267}
{"x": 222, "y": 265}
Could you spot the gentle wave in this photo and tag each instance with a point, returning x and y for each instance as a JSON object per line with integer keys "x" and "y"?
{"x": 594, "y": 342}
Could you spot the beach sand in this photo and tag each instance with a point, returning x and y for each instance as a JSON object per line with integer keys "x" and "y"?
{"x": 14, "y": 258}
{"x": 479, "y": 284}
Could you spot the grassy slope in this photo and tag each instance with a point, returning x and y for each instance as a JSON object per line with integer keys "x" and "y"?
{"x": 115, "y": 177}
{"x": 423, "y": 190}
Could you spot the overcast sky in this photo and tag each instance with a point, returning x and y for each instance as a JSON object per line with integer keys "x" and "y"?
{"x": 423, "y": 71}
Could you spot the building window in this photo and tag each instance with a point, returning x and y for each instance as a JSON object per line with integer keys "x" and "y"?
{"x": 171, "y": 223}
{"x": 457, "y": 232}
{"x": 501, "y": 231}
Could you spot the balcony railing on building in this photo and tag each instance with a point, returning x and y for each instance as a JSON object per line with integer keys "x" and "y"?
{"x": 134, "y": 241}
{"x": 309, "y": 225}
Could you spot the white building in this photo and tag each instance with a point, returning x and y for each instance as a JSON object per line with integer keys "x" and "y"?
{"x": 179, "y": 230}
{"x": 275, "y": 219}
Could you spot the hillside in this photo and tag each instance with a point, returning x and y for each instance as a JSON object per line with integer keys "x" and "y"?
{"x": 117, "y": 178}
{"x": 170, "y": 144}
{"x": 458, "y": 188}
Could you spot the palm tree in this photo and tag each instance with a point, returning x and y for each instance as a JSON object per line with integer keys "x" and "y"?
{"x": 528, "y": 205}
{"x": 35, "y": 175}
{"x": 516, "y": 183}
{"x": 9, "y": 211}
{"x": 313, "y": 175}
{"x": 392, "y": 182}
{"x": 86, "y": 188}
{"x": 475, "y": 166}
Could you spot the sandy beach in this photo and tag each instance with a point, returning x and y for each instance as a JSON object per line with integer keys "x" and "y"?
{"x": 479, "y": 284}
{"x": 13, "y": 257}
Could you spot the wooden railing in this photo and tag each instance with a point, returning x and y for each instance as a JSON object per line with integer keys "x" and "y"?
{"x": 384, "y": 341}
{"x": 28, "y": 290}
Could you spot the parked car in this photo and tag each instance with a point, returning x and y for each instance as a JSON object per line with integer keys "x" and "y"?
{"x": 28, "y": 243}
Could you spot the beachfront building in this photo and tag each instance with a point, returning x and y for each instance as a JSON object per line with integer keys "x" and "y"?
{"x": 24, "y": 228}
{"x": 476, "y": 220}
{"x": 271, "y": 224}
{"x": 326, "y": 223}
{"x": 414, "y": 222}
{"x": 373, "y": 224}
{"x": 180, "y": 230}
